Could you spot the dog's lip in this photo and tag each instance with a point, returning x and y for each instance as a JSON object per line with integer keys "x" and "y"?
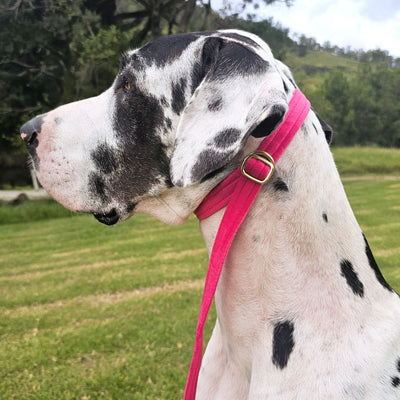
{"x": 107, "y": 218}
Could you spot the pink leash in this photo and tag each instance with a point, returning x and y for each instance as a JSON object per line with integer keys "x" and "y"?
{"x": 238, "y": 191}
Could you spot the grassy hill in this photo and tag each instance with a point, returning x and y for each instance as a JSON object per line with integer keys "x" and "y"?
{"x": 96, "y": 312}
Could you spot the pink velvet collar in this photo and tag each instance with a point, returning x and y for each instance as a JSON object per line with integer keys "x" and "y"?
{"x": 238, "y": 192}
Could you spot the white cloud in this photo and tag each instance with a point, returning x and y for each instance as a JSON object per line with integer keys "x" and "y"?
{"x": 361, "y": 24}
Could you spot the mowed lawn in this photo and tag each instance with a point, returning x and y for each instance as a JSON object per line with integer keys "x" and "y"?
{"x": 95, "y": 312}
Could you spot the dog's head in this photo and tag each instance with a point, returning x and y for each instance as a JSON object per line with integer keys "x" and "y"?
{"x": 173, "y": 123}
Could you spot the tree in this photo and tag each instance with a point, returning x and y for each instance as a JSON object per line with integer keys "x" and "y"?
{"x": 36, "y": 58}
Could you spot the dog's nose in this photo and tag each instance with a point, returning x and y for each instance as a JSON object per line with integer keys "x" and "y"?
{"x": 30, "y": 130}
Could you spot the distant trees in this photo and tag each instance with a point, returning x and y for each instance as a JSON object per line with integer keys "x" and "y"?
{"x": 365, "y": 109}
{"x": 57, "y": 51}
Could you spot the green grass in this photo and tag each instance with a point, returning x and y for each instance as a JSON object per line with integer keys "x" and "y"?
{"x": 367, "y": 160}
{"x": 90, "y": 311}
{"x": 32, "y": 211}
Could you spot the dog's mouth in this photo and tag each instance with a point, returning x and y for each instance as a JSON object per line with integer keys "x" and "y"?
{"x": 110, "y": 218}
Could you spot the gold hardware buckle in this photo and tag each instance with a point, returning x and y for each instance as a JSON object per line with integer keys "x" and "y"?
{"x": 265, "y": 158}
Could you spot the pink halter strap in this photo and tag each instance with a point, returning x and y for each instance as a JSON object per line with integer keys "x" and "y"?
{"x": 238, "y": 192}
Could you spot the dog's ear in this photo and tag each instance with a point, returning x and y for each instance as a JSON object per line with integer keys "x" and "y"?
{"x": 237, "y": 93}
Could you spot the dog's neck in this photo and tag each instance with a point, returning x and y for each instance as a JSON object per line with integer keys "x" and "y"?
{"x": 285, "y": 262}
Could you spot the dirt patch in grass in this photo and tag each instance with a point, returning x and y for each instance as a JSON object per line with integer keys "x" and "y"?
{"x": 110, "y": 298}
{"x": 388, "y": 252}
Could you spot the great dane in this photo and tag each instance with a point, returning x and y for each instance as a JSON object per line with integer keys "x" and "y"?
{"x": 303, "y": 310}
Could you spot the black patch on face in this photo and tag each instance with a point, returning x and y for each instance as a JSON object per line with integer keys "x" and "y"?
{"x": 347, "y": 271}
{"x": 166, "y": 49}
{"x": 395, "y": 381}
{"x": 105, "y": 158}
{"x": 178, "y": 96}
{"x": 282, "y": 343}
{"x": 97, "y": 186}
{"x": 208, "y": 162}
{"x": 374, "y": 266}
{"x": 215, "y": 104}
{"x": 325, "y": 216}
{"x": 227, "y": 137}
{"x": 280, "y": 185}
{"x": 269, "y": 124}
{"x": 138, "y": 122}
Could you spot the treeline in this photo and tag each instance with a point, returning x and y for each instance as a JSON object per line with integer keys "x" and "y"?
{"x": 57, "y": 51}
{"x": 376, "y": 56}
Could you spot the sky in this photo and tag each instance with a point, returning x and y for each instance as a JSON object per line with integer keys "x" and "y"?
{"x": 360, "y": 24}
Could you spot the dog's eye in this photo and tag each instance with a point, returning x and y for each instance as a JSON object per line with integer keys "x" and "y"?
{"x": 127, "y": 86}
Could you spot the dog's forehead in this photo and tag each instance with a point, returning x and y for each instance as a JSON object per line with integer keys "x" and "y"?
{"x": 159, "y": 53}
{"x": 168, "y": 49}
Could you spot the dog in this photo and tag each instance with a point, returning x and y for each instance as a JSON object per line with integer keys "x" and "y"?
{"x": 303, "y": 311}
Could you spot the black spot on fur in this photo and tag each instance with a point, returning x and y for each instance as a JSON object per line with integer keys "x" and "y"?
{"x": 285, "y": 86}
{"x": 166, "y": 49}
{"x": 326, "y": 128}
{"x": 105, "y": 158}
{"x": 396, "y": 381}
{"x": 168, "y": 123}
{"x": 282, "y": 343}
{"x": 223, "y": 58}
{"x": 209, "y": 54}
{"x": 208, "y": 162}
{"x": 237, "y": 59}
{"x": 292, "y": 82}
{"x": 212, "y": 174}
{"x": 130, "y": 207}
{"x": 178, "y": 96}
{"x": 133, "y": 60}
{"x": 227, "y": 137}
{"x": 280, "y": 185}
{"x": 215, "y": 104}
{"x": 398, "y": 365}
{"x": 325, "y": 216}
{"x": 375, "y": 267}
{"x": 269, "y": 124}
{"x": 351, "y": 277}
{"x": 241, "y": 38}
{"x": 164, "y": 101}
